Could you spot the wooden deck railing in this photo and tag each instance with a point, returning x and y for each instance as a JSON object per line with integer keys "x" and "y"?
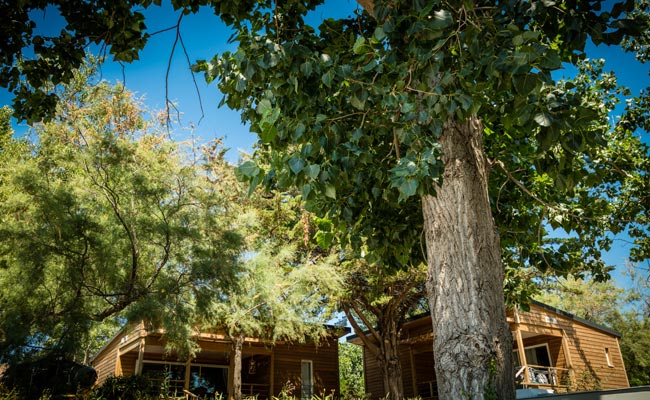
{"x": 538, "y": 376}
{"x": 259, "y": 390}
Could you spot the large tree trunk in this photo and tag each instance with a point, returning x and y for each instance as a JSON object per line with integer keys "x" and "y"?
{"x": 472, "y": 341}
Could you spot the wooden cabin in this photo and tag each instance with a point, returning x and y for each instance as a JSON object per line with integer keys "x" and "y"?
{"x": 303, "y": 369}
{"x": 561, "y": 352}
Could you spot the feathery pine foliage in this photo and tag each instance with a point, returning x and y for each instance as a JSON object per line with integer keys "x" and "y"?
{"x": 99, "y": 219}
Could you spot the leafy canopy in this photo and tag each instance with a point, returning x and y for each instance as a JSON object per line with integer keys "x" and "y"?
{"x": 351, "y": 111}
{"x": 351, "y": 114}
{"x": 101, "y": 218}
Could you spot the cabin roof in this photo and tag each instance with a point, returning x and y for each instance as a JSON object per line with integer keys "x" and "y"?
{"x": 421, "y": 318}
{"x": 566, "y": 314}
{"x": 335, "y": 330}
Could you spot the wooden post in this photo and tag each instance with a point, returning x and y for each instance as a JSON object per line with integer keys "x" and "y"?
{"x": 413, "y": 373}
{"x": 272, "y": 375}
{"x": 620, "y": 357}
{"x": 188, "y": 375}
{"x": 118, "y": 363}
{"x": 567, "y": 356}
{"x": 521, "y": 352}
{"x": 231, "y": 374}
{"x": 140, "y": 361}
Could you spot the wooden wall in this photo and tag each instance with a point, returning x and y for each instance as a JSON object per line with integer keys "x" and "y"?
{"x": 372, "y": 375}
{"x": 106, "y": 362}
{"x": 285, "y": 358}
{"x": 425, "y": 373}
{"x": 586, "y": 342}
{"x": 587, "y": 346}
{"x": 286, "y": 367}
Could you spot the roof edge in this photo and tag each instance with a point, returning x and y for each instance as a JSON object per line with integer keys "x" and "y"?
{"x": 556, "y": 310}
{"x": 584, "y": 321}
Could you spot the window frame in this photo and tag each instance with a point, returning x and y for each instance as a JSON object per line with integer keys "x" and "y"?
{"x": 548, "y": 353}
{"x": 608, "y": 358}
{"x": 309, "y": 393}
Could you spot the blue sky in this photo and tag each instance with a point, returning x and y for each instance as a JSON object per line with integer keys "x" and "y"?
{"x": 204, "y": 36}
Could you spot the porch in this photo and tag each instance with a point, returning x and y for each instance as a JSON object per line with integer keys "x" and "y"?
{"x": 210, "y": 373}
{"x": 542, "y": 356}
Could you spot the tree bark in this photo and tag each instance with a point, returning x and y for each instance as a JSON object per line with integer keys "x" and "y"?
{"x": 389, "y": 361}
{"x": 237, "y": 344}
{"x": 472, "y": 341}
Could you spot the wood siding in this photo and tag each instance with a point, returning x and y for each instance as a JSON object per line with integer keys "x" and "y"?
{"x": 372, "y": 375}
{"x": 542, "y": 325}
{"x": 325, "y": 361}
{"x": 279, "y": 364}
{"x": 587, "y": 346}
{"x": 425, "y": 373}
{"x": 107, "y": 362}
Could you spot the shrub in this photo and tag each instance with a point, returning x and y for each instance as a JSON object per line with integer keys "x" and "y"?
{"x": 135, "y": 387}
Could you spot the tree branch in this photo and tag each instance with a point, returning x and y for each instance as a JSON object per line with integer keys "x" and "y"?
{"x": 360, "y": 333}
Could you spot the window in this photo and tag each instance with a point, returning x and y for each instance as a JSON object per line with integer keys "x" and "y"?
{"x": 609, "y": 360}
{"x": 166, "y": 378}
{"x": 209, "y": 380}
{"x": 307, "y": 378}
{"x": 536, "y": 355}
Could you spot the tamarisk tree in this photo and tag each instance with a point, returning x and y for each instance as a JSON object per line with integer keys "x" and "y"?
{"x": 100, "y": 219}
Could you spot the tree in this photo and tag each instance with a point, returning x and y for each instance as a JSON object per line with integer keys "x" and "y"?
{"x": 272, "y": 300}
{"x": 351, "y": 371}
{"x": 6, "y": 131}
{"x": 410, "y": 111}
{"x": 281, "y": 291}
{"x": 98, "y": 214}
{"x": 600, "y": 302}
{"x": 438, "y": 104}
{"x": 377, "y": 302}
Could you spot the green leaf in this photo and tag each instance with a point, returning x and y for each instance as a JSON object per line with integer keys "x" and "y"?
{"x": 330, "y": 191}
{"x": 312, "y": 171}
{"x": 543, "y": 119}
{"x": 525, "y": 83}
{"x": 407, "y": 189}
{"x": 299, "y": 131}
{"x": 327, "y": 78}
{"x": 550, "y": 60}
{"x": 324, "y": 239}
{"x": 296, "y": 164}
{"x": 306, "y": 68}
{"x": 379, "y": 33}
{"x": 253, "y": 184}
{"x": 268, "y": 133}
{"x": 359, "y": 45}
{"x": 404, "y": 168}
{"x": 249, "y": 169}
{"x": 264, "y": 106}
{"x": 357, "y": 103}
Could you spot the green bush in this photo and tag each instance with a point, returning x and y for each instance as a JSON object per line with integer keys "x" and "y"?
{"x": 134, "y": 387}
